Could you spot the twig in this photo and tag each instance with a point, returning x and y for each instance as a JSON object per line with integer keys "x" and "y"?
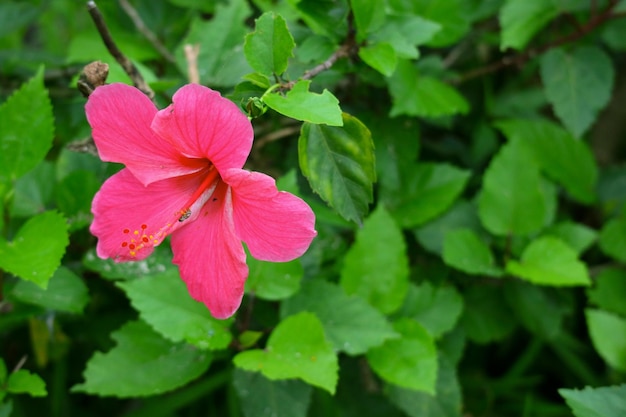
{"x": 145, "y": 31}
{"x": 191, "y": 55}
{"x": 507, "y": 61}
{"x": 21, "y": 363}
{"x": 126, "y": 63}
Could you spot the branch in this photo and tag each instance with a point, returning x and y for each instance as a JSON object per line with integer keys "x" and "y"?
{"x": 191, "y": 56}
{"x": 507, "y": 61}
{"x": 126, "y": 64}
{"x": 145, "y": 31}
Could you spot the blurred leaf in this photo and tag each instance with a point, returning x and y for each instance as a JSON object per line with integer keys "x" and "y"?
{"x": 339, "y": 164}
{"x": 404, "y": 33}
{"x": 578, "y": 236}
{"x": 568, "y": 161}
{"x": 324, "y": 17}
{"x": 351, "y": 325}
{"x": 165, "y": 304}
{"x": 14, "y": 15}
{"x": 613, "y": 238}
{"x": 369, "y": 15}
{"x": 608, "y": 334}
{"x": 143, "y": 363}
{"x": 65, "y": 292}
{"x": 273, "y": 280}
{"x": 261, "y": 397}
{"x": 33, "y": 191}
{"x": 376, "y": 266}
{"x": 486, "y": 317}
{"x": 207, "y": 6}
{"x": 408, "y": 362}
{"x": 462, "y": 215}
{"x": 511, "y": 200}
{"x": 159, "y": 262}
{"x": 424, "y": 191}
{"x": 24, "y": 382}
{"x": 445, "y": 403}
{"x": 73, "y": 195}
{"x": 270, "y": 46}
{"x": 521, "y": 19}
{"x": 539, "y": 309}
{"x": 297, "y": 348}
{"x": 436, "y": 308}
{"x": 301, "y": 104}
{"x": 450, "y": 14}
{"x": 578, "y": 85}
{"x": 608, "y": 291}
{"x": 26, "y": 129}
{"x": 220, "y": 62}
{"x": 596, "y": 402}
{"x": 381, "y": 56}
{"x": 549, "y": 261}
{"x": 464, "y": 250}
{"x": 36, "y": 250}
{"x": 418, "y": 95}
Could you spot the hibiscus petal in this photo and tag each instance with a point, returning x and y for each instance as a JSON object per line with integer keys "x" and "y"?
{"x": 210, "y": 257}
{"x": 130, "y": 218}
{"x": 276, "y": 226}
{"x": 203, "y": 124}
{"x": 120, "y": 116}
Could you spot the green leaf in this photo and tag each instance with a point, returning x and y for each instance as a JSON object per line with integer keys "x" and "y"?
{"x": 65, "y": 292}
{"x": 297, "y": 348}
{"x": 464, "y": 250}
{"x": 270, "y": 46}
{"x": 578, "y": 85}
{"x": 446, "y": 403}
{"x": 301, "y": 104}
{"x": 452, "y": 15}
{"x": 381, "y": 56}
{"x": 521, "y": 19}
{"x": 165, "y": 304}
{"x": 37, "y": 248}
{"x": 261, "y": 397}
{"x": 613, "y": 238}
{"x": 376, "y": 267}
{"x": 568, "y": 161}
{"x": 424, "y": 191}
{"x": 409, "y": 362}
{"x": 540, "y": 309}
{"x": 511, "y": 200}
{"x": 273, "y": 280}
{"x": 33, "y": 191}
{"x": 220, "y": 61}
{"x": 486, "y": 317}
{"x": 436, "y": 308}
{"x": 159, "y": 262}
{"x": 417, "y": 95}
{"x": 339, "y": 164}
{"x": 596, "y": 402}
{"x": 351, "y": 325}
{"x": 14, "y": 15}
{"x": 26, "y": 129}
{"x": 549, "y": 261}
{"x": 73, "y": 196}
{"x": 369, "y": 15}
{"x": 142, "y": 364}
{"x": 608, "y": 291}
{"x": 24, "y": 382}
{"x": 462, "y": 215}
{"x": 323, "y": 17}
{"x": 608, "y": 334}
{"x": 578, "y": 236}
{"x": 404, "y": 33}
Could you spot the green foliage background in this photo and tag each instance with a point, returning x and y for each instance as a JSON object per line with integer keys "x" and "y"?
{"x": 465, "y": 161}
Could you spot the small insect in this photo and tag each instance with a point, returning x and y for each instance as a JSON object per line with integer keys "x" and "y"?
{"x": 185, "y": 214}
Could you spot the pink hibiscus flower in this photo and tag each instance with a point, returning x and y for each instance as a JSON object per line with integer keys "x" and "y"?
{"x": 183, "y": 178}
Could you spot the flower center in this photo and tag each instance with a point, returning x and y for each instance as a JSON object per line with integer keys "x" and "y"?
{"x": 138, "y": 239}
